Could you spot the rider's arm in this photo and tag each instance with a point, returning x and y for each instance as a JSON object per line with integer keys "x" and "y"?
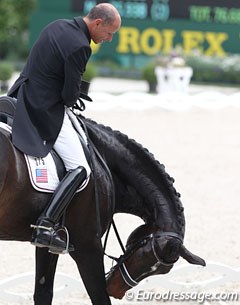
{"x": 74, "y": 67}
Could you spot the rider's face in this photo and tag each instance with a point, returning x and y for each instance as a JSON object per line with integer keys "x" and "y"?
{"x": 104, "y": 32}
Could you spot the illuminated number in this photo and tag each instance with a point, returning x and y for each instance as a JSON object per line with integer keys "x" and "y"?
{"x": 141, "y": 10}
{"x": 160, "y": 10}
{"x": 220, "y": 15}
{"x": 234, "y": 16}
{"x": 136, "y": 10}
{"x": 200, "y": 13}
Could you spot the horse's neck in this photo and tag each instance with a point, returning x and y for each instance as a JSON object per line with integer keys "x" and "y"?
{"x": 141, "y": 181}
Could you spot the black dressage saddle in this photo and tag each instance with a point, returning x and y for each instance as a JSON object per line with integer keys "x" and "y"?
{"x": 7, "y": 109}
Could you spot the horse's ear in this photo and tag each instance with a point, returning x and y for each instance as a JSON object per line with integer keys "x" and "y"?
{"x": 191, "y": 258}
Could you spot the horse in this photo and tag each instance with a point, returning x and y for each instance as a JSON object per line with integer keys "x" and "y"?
{"x": 126, "y": 179}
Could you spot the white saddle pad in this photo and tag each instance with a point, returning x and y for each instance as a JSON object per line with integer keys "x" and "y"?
{"x": 42, "y": 171}
{"x": 43, "y": 174}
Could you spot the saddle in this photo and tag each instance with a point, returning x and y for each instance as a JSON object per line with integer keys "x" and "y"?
{"x": 7, "y": 109}
{"x": 45, "y": 173}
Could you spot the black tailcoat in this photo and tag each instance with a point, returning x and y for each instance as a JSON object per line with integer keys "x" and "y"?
{"x": 50, "y": 81}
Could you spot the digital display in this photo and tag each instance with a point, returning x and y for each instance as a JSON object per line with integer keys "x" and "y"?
{"x": 210, "y": 11}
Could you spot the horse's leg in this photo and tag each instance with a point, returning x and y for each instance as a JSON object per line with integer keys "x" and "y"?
{"x": 89, "y": 259}
{"x": 45, "y": 271}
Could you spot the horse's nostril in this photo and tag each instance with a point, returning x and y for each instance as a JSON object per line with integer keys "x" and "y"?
{"x": 168, "y": 250}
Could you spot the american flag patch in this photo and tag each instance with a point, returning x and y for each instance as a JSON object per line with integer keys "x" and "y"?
{"x": 41, "y": 175}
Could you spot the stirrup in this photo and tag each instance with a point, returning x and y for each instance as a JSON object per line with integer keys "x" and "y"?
{"x": 52, "y": 249}
{"x": 66, "y": 251}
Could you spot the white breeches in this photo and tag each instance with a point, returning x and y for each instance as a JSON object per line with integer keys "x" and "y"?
{"x": 69, "y": 147}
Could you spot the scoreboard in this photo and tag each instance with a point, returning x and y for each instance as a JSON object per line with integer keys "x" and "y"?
{"x": 212, "y": 11}
{"x": 150, "y": 27}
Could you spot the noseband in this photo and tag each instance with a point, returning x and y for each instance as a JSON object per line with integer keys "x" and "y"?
{"x": 137, "y": 245}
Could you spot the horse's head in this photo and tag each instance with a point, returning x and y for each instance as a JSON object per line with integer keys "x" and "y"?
{"x": 149, "y": 251}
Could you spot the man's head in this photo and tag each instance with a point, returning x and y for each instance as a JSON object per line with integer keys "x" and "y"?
{"x": 103, "y": 21}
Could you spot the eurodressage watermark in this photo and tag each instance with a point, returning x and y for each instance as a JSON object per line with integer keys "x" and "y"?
{"x": 187, "y": 284}
{"x": 200, "y": 297}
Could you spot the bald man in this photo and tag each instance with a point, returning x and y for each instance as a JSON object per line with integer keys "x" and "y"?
{"x": 48, "y": 86}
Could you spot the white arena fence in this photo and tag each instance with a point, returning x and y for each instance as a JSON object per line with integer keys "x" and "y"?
{"x": 185, "y": 284}
{"x": 171, "y": 101}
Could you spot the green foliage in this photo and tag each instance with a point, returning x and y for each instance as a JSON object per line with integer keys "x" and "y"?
{"x": 14, "y": 18}
{"x": 225, "y": 70}
{"x": 215, "y": 69}
{"x": 6, "y": 71}
{"x": 90, "y": 73}
{"x": 148, "y": 73}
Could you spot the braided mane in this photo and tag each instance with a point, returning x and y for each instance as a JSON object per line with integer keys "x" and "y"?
{"x": 145, "y": 186}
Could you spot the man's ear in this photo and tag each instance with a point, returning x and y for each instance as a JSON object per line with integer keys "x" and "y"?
{"x": 98, "y": 21}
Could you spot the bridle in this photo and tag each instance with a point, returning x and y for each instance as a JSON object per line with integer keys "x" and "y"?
{"x": 151, "y": 238}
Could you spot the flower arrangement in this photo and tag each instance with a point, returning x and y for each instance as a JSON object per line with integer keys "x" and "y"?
{"x": 174, "y": 59}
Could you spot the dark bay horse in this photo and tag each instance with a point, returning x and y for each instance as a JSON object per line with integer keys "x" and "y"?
{"x": 141, "y": 187}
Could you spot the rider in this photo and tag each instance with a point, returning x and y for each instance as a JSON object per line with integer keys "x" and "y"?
{"x": 49, "y": 84}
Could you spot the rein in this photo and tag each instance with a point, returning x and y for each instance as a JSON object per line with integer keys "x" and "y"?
{"x": 94, "y": 151}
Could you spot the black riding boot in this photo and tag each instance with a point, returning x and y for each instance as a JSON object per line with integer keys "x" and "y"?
{"x": 46, "y": 231}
